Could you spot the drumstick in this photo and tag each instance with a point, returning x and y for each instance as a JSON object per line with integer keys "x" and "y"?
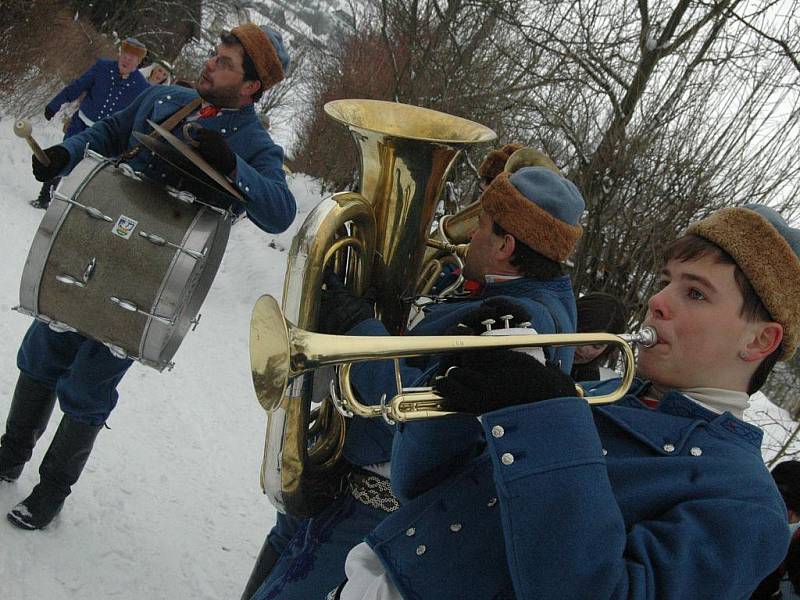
{"x": 23, "y": 129}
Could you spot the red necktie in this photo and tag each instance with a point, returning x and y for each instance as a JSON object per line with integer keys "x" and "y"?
{"x": 208, "y": 111}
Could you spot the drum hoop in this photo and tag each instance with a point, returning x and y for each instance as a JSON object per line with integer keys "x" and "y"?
{"x": 168, "y": 276}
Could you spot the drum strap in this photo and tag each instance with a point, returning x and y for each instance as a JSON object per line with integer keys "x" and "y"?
{"x": 169, "y": 124}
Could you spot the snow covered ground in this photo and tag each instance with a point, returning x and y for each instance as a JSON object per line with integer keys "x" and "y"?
{"x": 169, "y": 505}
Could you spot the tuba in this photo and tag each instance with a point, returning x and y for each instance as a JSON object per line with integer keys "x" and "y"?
{"x": 375, "y": 237}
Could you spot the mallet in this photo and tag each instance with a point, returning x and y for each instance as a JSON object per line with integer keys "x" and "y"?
{"x": 23, "y": 129}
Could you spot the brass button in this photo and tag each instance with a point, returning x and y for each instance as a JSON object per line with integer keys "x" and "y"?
{"x": 492, "y": 502}
{"x": 669, "y": 448}
{"x": 455, "y": 527}
{"x": 410, "y": 531}
{"x": 507, "y": 459}
{"x": 498, "y": 431}
{"x": 421, "y": 549}
{"x": 695, "y": 451}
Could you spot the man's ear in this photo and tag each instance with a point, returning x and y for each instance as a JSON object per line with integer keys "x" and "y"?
{"x": 251, "y": 87}
{"x": 766, "y": 338}
{"x": 506, "y": 250}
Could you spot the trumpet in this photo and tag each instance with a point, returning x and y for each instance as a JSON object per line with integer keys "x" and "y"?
{"x": 279, "y": 351}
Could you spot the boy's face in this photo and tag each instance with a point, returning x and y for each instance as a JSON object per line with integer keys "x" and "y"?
{"x": 700, "y": 330}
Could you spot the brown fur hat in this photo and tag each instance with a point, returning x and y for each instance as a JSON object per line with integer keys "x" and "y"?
{"x": 262, "y": 50}
{"x": 538, "y": 207}
{"x": 766, "y": 250}
{"x": 495, "y": 161}
{"x": 133, "y": 46}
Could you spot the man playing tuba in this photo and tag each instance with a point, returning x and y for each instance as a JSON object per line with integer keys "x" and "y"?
{"x": 527, "y": 228}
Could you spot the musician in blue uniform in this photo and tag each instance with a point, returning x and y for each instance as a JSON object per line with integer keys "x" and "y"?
{"x": 662, "y": 495}
{"x": 527, "y": 228}
{"x": 83, "y": 373}
{"x": 107, "y": 86}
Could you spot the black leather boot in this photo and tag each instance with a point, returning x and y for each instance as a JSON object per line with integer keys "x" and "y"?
{"x": 30, "y": 411}
{"x": 43, "y": 199}
{"x": 60, "y": 469}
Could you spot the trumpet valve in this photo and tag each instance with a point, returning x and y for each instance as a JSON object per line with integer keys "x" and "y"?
{"x": 506, "y": 319}
{"x": 488, "y": 323}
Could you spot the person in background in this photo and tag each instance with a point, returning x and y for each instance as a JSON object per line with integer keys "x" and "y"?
{"x": 82, "y": 373}
{"x": 784, "y": 582}
{"x": 158, "y": 73}
{"x": 106, "y": 87}
{"x": 597, "y": 312}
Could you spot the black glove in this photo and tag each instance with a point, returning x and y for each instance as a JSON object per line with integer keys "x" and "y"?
{"x": 214, "y": 149}
{"x": 49, "y": 113}
{"x": 59, "y": 158}
{"x": 487, "y": 380}
{"x": 340, "y": 309}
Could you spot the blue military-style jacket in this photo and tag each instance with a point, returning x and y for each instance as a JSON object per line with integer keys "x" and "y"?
{"x": 552, "y": 307}
{"x": 259, "y": 161}
{"x": 106, "y": 93}
{"x": 557, "y": 499}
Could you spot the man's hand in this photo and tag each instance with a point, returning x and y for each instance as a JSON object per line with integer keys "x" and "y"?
{"x": 59, "y": 158}
{"x": 340, "y": 309}
{"x": 49, "y": 113}
{"x": 214, "y": 149}
{"x": 488, "y": 380}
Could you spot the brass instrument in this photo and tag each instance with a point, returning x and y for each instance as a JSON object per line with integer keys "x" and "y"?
{"x": 375, "y": 236}
{"x": 448, "y": 245}
{"x": 279, "y": 351}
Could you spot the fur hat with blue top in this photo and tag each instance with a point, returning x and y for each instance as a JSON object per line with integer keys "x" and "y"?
{"x": 265, "y": 48}
{"x": 133, "y": 46}
{"x": 539, "y": 207}
{"x": 767, "y": 250}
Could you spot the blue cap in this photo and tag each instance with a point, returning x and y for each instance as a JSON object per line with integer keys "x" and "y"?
{"x": 551, "y": 192}
{"x": 280, "y": 49}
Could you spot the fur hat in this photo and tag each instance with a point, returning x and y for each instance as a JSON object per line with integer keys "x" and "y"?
{"x": 265, "y": 48}
{"x": 787, "y": 478}
{"x": 538, "y": 207}
{"x": 767, "y": 251}
{"x": 495, "y": 161}
{"x": 133, "y": 46}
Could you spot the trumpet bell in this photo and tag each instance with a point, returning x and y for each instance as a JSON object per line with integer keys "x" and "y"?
{"x": 269, "y": 352}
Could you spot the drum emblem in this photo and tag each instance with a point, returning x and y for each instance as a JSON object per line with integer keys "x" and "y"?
{"x": 124, "y": 227}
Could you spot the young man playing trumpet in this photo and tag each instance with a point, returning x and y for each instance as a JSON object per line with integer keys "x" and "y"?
{"x": 528, "y": 227}
{"x": 660, "y": 495}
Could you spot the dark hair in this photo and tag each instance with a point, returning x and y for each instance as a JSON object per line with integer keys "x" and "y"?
{"x": 529, "y": 262}
{"x": 598, "y": 311}
{"x": 693, "y": 247}
{"x": 787, "y": 477}
{"x": 250, "y": 73}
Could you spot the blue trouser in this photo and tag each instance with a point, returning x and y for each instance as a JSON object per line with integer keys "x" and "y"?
{"x": 312, "y": 564}
{"x": 83, "y": 373}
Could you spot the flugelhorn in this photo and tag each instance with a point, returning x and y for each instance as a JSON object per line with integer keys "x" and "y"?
{"x": 279, "y": 351}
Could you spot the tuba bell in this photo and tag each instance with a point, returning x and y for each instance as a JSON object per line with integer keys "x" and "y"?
{"x": 375, "y": 237}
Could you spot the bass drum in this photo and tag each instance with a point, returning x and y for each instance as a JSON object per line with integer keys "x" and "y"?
{"x": 123, "y": 260}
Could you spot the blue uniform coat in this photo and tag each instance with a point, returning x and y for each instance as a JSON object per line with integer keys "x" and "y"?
{"x": 259, "y": 161}
{"x": 560, "y": 500}
{"x": 313, "y": 551}
{"x": 106, "y": 93}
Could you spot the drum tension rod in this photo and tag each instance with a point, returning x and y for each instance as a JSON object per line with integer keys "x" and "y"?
{"x": 132, "y": 307}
